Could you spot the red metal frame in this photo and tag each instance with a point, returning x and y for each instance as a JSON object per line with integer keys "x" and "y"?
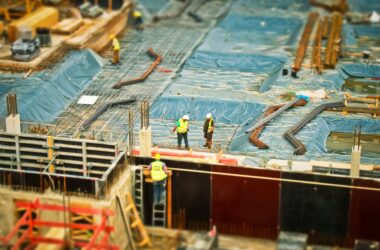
{"x": 28, "y": 236}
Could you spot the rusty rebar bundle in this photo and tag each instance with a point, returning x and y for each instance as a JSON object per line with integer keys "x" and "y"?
{"x": 144, "y": 114}
{"x": 12, "y": 104}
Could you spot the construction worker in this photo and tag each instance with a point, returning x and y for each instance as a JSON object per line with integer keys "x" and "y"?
{"x": 115, "y": 48}
{"x": 182, "y": 128}
{"x": 138, "y": 20}
{"x": 208, "y": 130}
{"x": 159, "y": 173}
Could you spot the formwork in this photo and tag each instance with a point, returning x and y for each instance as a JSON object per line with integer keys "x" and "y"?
{"x": 257, "y": 202}
{"x": 82, "y": 167}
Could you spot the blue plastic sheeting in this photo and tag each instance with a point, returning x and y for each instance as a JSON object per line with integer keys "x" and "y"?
{"x": 330, "y": 80}
{"x": 361, "y": 69}
{"x": 238, "y": 32}
{"x": 245, "y": 63}
{"x": 269, "y": 26}
{"x": 349, "y": 35}
{"x": 324, "y": 125}
{"x": 43, "y": 96}
{"x": 223, "y": 111}
{"x": 371, "y": 30}
{"x": 314, "y": 136}
{"x": 294, "y": 5}
{"x": 364, "y": 5}
{"x": 154, "y": 6}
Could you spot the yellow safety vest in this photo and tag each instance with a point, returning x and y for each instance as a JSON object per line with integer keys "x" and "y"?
{"x": 182, "y": 128}
{"x": 209, "y": 126}
{"x": 136, "y": 14}
{"x": 158, "y": 173}
{"x": 115, "y": 44}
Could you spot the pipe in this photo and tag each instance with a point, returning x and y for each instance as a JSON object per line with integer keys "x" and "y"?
{"x": 254, "y": 137}
{"x": 273, "y": 115}
{"x": 300, "y": 148}
{"x": 143, "y": 77}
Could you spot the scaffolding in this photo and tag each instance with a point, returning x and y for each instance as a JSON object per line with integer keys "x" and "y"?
{"x": 28, "y": 238}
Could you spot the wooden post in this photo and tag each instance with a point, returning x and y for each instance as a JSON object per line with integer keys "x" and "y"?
{"x": 28, "y": 9}
{"x": 109, "y": 5}
{"x": 50, "y": 152}
{"x": 169, "y": 201}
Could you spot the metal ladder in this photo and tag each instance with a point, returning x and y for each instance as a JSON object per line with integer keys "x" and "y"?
{"x": 159, "y": 211}
{"x": 138, "y": 190}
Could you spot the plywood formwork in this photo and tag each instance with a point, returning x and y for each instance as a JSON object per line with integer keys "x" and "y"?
{"x": 58, "y": 155}
{"x": 95, "y": 34}
{"x": 43, "y": 17}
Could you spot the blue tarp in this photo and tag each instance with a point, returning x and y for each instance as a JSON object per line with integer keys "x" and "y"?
{"x": 361, "y": 69}
{"x": 241, "y": 62}
{"x": 223, "y": 111}
{"x": 44, "y": 95}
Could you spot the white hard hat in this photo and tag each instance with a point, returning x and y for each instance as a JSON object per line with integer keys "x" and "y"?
{"x": 185, "y": 117}
{"x": 208, "y": 116}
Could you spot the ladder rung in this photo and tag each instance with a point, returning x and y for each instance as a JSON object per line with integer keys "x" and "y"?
{"x": 159, "y": 219}
{"x": 144, "y": 242}
{"x": 135, "y": 223}
{"x": 129, "y": 207}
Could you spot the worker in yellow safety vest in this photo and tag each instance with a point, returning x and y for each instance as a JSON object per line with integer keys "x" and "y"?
{"x": 159, "y": 173}
{"x": 208, "y": 130}
{"x": 182, "y": 128}
{"x": 115, "y": 48}
{"x": 138, "y": 20}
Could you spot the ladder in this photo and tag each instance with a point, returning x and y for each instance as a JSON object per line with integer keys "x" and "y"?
{"x": 138, "y": 190}
{"x": 141, "y": 237}
{"x": 159, "y": 211}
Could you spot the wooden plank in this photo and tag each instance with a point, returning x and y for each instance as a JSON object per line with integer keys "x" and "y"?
{"x": 79, "y": 163}
{"x": 67, "y": 26}
{"x": 7, "y": 139}
{"x": 40, "y": 143}
{"x": 316, "y": 56}
{"x": 304, "y": 42}
{"x": 68, "y": 146}
{"x": 33, "y": 150}
{"x": 7, "y": 147}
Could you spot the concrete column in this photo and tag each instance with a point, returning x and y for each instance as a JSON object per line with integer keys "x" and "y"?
{"x": 355, "y": 161}
{"x": 145, "y": 142}
{"x": 13, "y": 124}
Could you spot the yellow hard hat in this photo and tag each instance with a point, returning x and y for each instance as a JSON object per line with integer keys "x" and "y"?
{"x": 157, "y": 156}
{"x": 112, "y": 36}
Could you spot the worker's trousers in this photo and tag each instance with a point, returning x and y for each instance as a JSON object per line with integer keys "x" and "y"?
{"x": 158, "y": 189}
{"x": 115, "y": 56}
{"x": 179, "y": 139}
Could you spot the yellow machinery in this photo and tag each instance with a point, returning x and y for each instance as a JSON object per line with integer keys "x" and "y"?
{"x": 42, "y": 17}
{"x": 7, "y": 5}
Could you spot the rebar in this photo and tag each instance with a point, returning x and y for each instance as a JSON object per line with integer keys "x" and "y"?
{"x": 12, "y": 104}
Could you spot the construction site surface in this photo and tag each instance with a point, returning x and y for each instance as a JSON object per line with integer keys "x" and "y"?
{"x": 292, "y": 86}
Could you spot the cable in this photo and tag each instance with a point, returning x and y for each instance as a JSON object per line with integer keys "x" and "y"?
{"x": 276, "y": 179}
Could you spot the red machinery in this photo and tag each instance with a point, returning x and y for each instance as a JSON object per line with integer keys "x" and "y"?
{"x": 31, "y": 238}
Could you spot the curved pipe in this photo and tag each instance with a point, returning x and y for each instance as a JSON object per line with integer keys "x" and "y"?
{"x": 254, "y": 137}
{"x": 289, "y": 135}
{"x": 143, "y": 77}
